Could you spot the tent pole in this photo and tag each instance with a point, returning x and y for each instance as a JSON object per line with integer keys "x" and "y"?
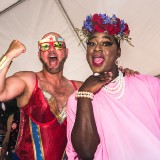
{"x": 12, "y": 6}
{"x": 70, "y": 22}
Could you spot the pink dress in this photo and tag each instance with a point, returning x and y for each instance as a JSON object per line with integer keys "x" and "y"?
{"x": 129, "y": 128}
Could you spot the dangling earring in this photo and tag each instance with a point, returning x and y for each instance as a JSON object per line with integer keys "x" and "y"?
{"x": 117, "y": 62}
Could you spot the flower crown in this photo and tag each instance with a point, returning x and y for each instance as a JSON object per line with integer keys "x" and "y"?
{"x": 104, "y": 23}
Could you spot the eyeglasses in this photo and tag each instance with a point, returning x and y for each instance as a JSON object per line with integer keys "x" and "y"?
{"x": 46, "y": 45}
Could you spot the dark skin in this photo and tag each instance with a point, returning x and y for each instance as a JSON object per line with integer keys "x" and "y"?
{"x": 102, "y": 52}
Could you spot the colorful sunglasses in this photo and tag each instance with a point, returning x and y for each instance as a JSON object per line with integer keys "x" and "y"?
{"x": 46, "y": 45}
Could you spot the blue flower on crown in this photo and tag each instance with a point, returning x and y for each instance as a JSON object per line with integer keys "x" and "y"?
{"x": 88, "y": 24}
{"x": 122, "y": 27}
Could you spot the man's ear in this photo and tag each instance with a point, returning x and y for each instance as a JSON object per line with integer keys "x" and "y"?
{"x": 67, "y": 52}
{"x": 38, "y": 54}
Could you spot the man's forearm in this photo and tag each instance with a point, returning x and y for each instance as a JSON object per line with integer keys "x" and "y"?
{"x": 5, "y": 62}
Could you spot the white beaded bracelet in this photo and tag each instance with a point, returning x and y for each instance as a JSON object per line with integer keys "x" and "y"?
{"x": 84, "y": 94}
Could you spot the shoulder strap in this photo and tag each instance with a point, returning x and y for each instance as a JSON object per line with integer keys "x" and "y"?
{"x": 36, "y": 85}
{"x": 36, "y": 81}
{"x": 74, "y": 84}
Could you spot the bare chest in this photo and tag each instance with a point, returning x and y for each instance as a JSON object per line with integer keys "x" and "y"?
{"x": 60, "y": 94}
{"x": 57, "y": 98}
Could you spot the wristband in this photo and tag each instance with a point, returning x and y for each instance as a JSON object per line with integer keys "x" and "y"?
{"x": 3, "y": 62}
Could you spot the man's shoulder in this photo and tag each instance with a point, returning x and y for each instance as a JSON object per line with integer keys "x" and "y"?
{"x": 25, "y": 75}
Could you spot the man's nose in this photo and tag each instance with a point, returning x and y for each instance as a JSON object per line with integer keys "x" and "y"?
{"x": 98, "y": 48}
{"x": 52, "y": 48}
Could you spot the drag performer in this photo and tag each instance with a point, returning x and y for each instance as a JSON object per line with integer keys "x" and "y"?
{"x": 41, "y": 97}
{"x": 112, "y": 116}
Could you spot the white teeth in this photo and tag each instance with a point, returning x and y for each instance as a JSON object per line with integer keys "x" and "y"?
{"x": 52, "y": 56}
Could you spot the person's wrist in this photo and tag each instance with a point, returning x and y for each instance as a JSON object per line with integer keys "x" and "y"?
{"x": 84, "y": 94}
{"x": 4, "y": 61}
{"x": 9, "y": 55}
{"x": 85, "y": 89}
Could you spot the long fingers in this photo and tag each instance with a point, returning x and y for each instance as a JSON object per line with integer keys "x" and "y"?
{"x": 104, "y": 76}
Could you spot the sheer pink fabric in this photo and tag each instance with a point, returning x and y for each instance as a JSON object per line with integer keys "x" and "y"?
{"x": 129, "y": 128}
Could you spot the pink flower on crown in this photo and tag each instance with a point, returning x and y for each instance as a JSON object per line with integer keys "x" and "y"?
{"x": 126, "y": 29}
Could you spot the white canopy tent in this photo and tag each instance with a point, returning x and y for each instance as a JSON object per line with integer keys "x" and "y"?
{"x": 29, "y": 20}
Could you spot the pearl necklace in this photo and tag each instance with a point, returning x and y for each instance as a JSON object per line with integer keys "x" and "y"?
{"x": 118, "y": 88}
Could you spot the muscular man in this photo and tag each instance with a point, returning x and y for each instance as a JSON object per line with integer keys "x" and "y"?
{"x": 41, "y": 97}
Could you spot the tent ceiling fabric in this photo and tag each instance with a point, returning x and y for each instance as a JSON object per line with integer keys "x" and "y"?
{"x": 7, "y": 4}
{"x": 29, "y": 20}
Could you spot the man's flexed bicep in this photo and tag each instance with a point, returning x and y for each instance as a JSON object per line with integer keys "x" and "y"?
{"x": 12, "y": 87}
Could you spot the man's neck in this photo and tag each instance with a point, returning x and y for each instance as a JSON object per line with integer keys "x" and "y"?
{"x": 57, "y": 78}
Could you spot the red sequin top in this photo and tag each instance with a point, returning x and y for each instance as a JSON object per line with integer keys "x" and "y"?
{"x": 40, "y": 134}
